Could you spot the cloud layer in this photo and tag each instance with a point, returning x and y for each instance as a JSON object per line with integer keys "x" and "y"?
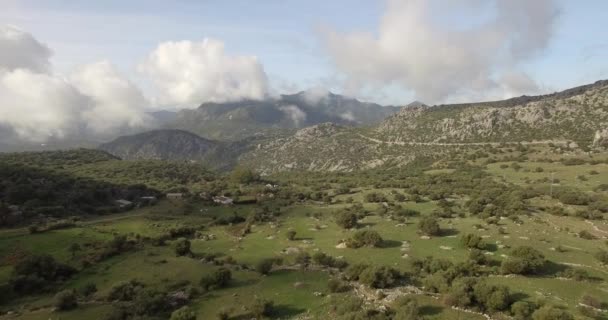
{"x": 188, "y": 73}
{"x": 415, "y": 48}
{"x": 37, "y": 105}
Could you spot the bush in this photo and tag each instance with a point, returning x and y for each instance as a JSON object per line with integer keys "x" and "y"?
{"x": 602, "y": 256}
{"x": 406, "y": 308}
{"x": 264, "y": 266}
{"x": 124, "y": 290}
{"x": 429, "y": 226}
{"x": 88, "y": 289}
{"x": 522, "y": 310}
{"x": 291, "y": 235}
{"x": 220, "y": 278}
{"x": 472, "y": 241}
{"x": 379, "y": 277}
{"x": 346, "y": 220}
{"x": 551, "y": 313}
{"x": 584, "y": 234}
{"x": 337, "y": 286}
{"x": 183, "y": 313}
{"x": 65, "y": 300}
{"x": 364, "y": 238}
{"x": 244, "y": 175}
{"x": 303, "y": 259}
{"x": 182, "y": 247}
{"x": 523, "y": 260}
{"x": 36, "y": 272}
{"x": 262, "y": 308}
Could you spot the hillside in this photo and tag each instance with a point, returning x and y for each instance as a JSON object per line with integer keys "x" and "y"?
{"x": 175, "y": 145}
{"x": 238, "y": 120}
{"x": 577, "y": 117}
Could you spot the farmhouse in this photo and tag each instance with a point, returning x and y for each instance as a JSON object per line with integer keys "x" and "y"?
{"x": 223, "y": 200}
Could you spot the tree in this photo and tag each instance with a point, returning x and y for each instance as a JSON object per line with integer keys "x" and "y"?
{"x": 291, "y": 235}
{"x": 551, "y": 313}
{"x": 346, "y": 220}
{"x": 602, "y": 256}
{"x": 524, "y": 260}
{"x": 262, "y": 308}
{"x": 364, "y": 238}
{"x": 472, "y": 241}
{"x": 264, "y": 266}
{"x": 182, "y": 247}
{"x": 183, "y": 313}
{"x": 379, "y": 277}
{"x": 406, "y": 309}
{"x": 218, "y": 279}
{"x": 429, "y": 226}
{"x": 522, "y": 310}
{"x": 73, "y": 248}
{"x": 244, "y": 175}
{"x": 65, "y": 300}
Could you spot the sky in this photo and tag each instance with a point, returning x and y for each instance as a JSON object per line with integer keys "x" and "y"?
{"x": 132, "y": 56}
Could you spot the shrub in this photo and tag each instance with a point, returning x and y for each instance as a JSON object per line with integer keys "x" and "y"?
{"x": 88, "y": 289}
{"x": 429, "y": 226}
{"x": 262, "y": 308}
{"x": 124, "y": 290}
{"x": 522, "y": 310}
{"x": 264, "y": 266}
{"x": 602, "y": 256}
{"x": 337, "y": 285}
{"x": 551, "y": 313}
{"x": 406, "y": 308}
{"x": 364, "y": 238}
{"x": 291, "y": 235}
{"x": 523, "y": 260}
{"x": 379, "y": 277}
{"x": 37, "y": 272}
{"x": 584, "y": 234}
{"x": 183, "y": 313}
{"x": 473, "y": 241}
{"x": 65, "y": 300}
{"x": 303, "y": 259}
{"x": 218, "y": 279}
{"x": 353, "y": 271}
{"x": 346, "y": 220}
{"x": 182, "y": 247}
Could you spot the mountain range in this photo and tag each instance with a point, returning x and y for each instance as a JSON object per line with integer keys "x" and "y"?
{"x": 263, "y": 136}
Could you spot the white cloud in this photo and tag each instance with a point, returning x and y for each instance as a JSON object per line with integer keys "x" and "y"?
{"x": 118, "y": 103}
{"x": 188, "y": 73}
{"x": 38, "y": 106}
{"x": 20, "y": 50}
{"x": 95, "y": 101}
{"x": 294, "y": 113}
{"x": 416, "y": 50}
{"x": 315, "y": 94}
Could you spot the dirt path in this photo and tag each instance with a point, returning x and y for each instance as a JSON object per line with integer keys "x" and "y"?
{"x": 402, "y": 143}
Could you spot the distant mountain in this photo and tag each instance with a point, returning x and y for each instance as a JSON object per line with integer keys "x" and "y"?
{"x": 238, "y": 120}
{"x": 576, "y": 117}
{"x": 175, "y": 145}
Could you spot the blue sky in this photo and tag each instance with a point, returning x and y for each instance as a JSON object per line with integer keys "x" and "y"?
{"x": 285, "y": 35}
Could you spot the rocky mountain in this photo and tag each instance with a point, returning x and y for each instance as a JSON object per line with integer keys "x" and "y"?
{"x": 578, "y": 116}
{"x": 176, "y": 145}
{"x": 238, "y": 120}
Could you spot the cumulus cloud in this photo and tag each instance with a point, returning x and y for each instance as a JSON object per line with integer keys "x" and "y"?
{"x": 95, "y": 101}
{"x": 117, "y": 103}
{"x": 315, "y": 94}
{"x": 39, "y": 106}
{"x": 20, "y": 50}
{"x": 415, "y": 48}
{"x": 294, "y": 113}
{"x": 188, "y": 73}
